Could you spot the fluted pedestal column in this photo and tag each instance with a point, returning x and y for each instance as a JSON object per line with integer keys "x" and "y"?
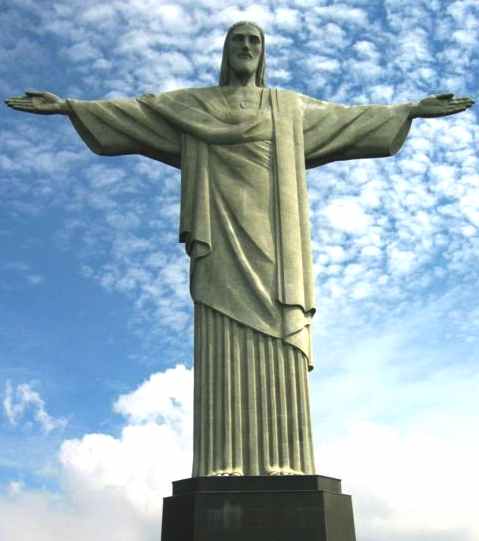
{"x": 296, "y": 508}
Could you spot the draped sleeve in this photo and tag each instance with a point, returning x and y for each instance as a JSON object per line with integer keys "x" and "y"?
{"x": 336, "y": 132}
{"x": 117, "y": 127}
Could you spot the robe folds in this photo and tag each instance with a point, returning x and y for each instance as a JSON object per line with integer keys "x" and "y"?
{"x": 244, "y": 205}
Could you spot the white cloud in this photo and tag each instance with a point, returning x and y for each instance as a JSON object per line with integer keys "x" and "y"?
{"x": 342, "y": 13}
{"x": 330, "y": 37}
{"x": 17, "y": 402}
{"x": 154, "y": 446}
{"x": 16, "y": 274}
{"x": 401, "y": 261}
{"x": 392, "y": 408}
{"x": 288, "y": 19}
{"x": 469, "y": 231}
{"x": 260, "y": 14}
{"x": 113, "y": 480}
{"x": 388, "y": 461}
{"x": 382, "y": 93}
{"x": 47, "y": 517}
{"x": 347, "y": 215}
{"x": 371, "y": 251}
{"x": 425, "y": 468}
{"x": 15, "y": 487}
{"x": 336, "y": 253}
{"x": 329, "y": 65}
{"x": 361, "y": 290}
{"x": 166, "y": 396}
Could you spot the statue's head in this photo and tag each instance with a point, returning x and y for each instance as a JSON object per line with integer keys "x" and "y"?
{"x": 243, "y": 53}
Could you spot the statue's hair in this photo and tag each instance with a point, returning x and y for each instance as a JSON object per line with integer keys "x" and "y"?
{"x": 225, "y": 66}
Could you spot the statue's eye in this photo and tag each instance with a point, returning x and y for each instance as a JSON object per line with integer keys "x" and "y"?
{"x": 254, "y": 39}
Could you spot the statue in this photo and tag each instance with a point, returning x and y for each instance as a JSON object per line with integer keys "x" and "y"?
{"x": 243, "y": 149}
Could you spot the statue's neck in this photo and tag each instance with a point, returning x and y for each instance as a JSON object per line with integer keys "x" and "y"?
{"x": 243, "y": 96}
{"x": 242, "y": 79}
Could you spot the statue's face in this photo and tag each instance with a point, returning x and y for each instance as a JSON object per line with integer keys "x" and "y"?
{"x": 244, "y": 50}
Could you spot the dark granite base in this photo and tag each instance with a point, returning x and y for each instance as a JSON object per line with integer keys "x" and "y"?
{"x": 298, "y": 508}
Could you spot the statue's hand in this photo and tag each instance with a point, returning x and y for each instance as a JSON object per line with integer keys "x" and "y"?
{"x": 41, "y": 103}
{"x": 441, "y": 105}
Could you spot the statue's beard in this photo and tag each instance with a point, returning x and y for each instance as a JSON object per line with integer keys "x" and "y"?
{"x": 245, "y": 72}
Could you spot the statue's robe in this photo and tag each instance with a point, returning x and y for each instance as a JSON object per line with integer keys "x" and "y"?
{"x": 244, "y": 221}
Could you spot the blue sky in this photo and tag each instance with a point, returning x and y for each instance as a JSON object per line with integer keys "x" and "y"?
{"x": 95, "y": 370}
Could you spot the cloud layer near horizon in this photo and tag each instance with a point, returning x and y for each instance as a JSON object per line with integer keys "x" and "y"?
{"x": 396, "y": 473}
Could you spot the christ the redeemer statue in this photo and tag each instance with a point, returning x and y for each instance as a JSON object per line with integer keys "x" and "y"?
{"x": 243, "y": 149}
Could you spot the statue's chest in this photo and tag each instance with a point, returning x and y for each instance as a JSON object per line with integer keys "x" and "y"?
{"x": 244, "y": 106}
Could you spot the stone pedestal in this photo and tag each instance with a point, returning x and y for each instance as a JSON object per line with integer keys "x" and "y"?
{"x": 297, "y": 508}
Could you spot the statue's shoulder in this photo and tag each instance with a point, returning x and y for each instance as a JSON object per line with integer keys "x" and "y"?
{"x": 187, "y": 94}
{"x": 208, "y": 99}
{"x": 292, "y": 100}
{"x": 309, "y": 103}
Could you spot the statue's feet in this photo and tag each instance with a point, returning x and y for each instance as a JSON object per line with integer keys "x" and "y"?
{"x": 276, "y": 471}
{"x": 227, "y": 473}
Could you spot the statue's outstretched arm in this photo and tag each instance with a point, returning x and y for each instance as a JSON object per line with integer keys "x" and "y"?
{"x": 110, "y": 127}
{"x": 440, "y": 105}
{"x": 40, "y": 103}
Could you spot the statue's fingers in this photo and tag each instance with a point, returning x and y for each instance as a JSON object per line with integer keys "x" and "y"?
{"x": 26, "y": 108}
{"x": 456, "y": 109}
{"x": 464, "y": 103}
{"x": 16, "y": 99}
{"x": 461, "y": 105}
{"x": 27, "y": 104}
{"x": 462, "y": 100}
{"x": 20, "y": 102}
{"x": 14, "y": 103}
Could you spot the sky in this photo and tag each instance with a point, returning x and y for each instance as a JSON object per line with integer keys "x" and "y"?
{"x": 95, "y": 315}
